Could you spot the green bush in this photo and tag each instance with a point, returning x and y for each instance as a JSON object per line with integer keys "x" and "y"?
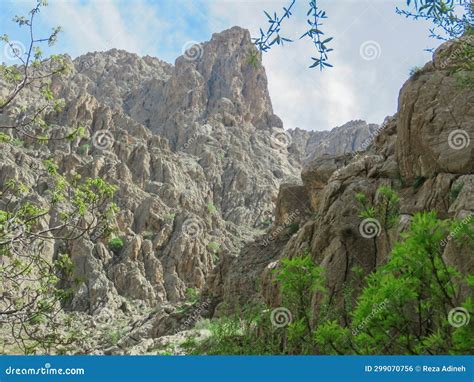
{"x": 405, "y": 305}
{"x": 213, "y": 246}
{"x": 415, "y": 70}
{"x": 116, "y": 244}
{"x": 212, "y": 208}
{"x": 84, "y": 149}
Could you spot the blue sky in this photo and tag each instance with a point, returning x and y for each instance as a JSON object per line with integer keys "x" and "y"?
{"x": 374, "y": 47}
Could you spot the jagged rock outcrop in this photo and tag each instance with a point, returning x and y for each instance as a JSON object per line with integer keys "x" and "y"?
{"x": 197, "y": 155}
{"x": 415, "y": 153}
{"x": 350, "y": 137}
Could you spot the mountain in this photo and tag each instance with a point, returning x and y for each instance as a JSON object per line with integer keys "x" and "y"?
{"x": 206, "y": 174}
{"x": 424, "y": 153}
{"x": 350, "y": 137}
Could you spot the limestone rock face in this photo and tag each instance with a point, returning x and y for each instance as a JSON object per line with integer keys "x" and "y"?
{"x": 410, "y": 153}
{"x": 434, "y": 124}
{"x": 197, "y": 155}
{"x": 350, "y": 137}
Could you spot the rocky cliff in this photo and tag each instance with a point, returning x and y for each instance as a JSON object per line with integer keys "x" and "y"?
{"x": 198, "y": 156}
{"x": 350, "y": 137}
{"x": 424, "y": 153}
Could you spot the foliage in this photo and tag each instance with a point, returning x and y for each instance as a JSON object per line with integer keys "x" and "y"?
{"x": 248, "y": 332}
{"x": 170, "y": 217}
{"x": 415, "y": 70}
{"x": 214, "y": 250}
{"x": 33, "y": 71}
{"x": 251, "y": 330}
{"x": 36, "y": 285}
{"x": 293, "y": 228}
{"x": 212, "y": 208}
{"x": 298, "y": 280}
{"x": 191, "y": 299}
{"x": 34, "y": 282}
{"x": 450, "y": 19}
{"x": 385, "y": 208}
{"x": 213, "y": 246}
{"x": 405, "y": 305}
{"x": 419, "y": 180}
{"x": 403, "y": 308}
{"x": 316, "y": 36}
{"x": 462, "y": 67}
{"x": 192, "y": 296}
{"x": 116, "y": 244}
{"x": 84, "y": 149}
{"x": 314, "y": 33}
{"x": 272, "y": 35}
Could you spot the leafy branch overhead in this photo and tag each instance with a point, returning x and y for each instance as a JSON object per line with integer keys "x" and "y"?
{"x": 450, "y": 19}
{"x": 32, "y": 71}
{"x": 34, "y": 284}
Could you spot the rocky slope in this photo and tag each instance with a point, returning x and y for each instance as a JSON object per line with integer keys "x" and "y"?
{"x": 198, "y": 157}
{"x": 350, "y": 137}
{"x": 425, "y": 153}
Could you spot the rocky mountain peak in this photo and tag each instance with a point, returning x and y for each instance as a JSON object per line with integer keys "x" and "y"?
{"x": 194, "y": 150}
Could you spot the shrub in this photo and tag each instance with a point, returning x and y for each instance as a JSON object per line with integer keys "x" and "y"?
{"x": 405, "y": 305}
{"x": 211, "y": 208}
{"x": 213, "y": 246}
{"x": 116, "y": 244}
{"x": 84, "y": 149}
{"x": 415, "y": 71}
{"x": 170, "y": 217}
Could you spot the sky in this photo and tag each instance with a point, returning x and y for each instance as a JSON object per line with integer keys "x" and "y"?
{"x": 374, "y": 48}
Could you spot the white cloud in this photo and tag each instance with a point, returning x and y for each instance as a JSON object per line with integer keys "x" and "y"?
{"x": 100, "y": 25}
{"x": 355, "y": 88}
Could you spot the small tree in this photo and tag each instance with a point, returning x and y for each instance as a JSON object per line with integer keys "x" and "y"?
{"x": 32, "y": 284}
{"x": 408, "y": 305}
{"x": 299, "y": 279}
{"x": 381, "y": 215}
